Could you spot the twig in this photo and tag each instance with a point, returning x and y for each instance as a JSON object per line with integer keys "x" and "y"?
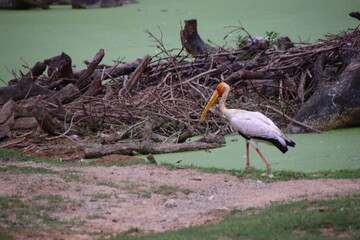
{"x": 293, "y": 120}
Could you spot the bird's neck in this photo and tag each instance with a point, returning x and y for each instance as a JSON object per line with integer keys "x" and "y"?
{"x": 222, "y": 106}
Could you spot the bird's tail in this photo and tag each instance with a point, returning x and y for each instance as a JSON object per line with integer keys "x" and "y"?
{"x": 283, "y": 143}
{"x": 290, "y": 142}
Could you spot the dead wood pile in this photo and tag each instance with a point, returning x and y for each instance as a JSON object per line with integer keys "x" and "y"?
{"x": 160, "y": 98}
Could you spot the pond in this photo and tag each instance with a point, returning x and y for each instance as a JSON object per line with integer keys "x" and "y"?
{"x": 35, "y": 35}
{"x": 332, "y": 150}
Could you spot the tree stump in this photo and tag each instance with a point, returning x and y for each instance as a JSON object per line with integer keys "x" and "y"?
{"x": 191, "y": 40}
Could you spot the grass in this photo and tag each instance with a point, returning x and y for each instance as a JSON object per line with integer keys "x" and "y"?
{"x": 108, "y": 184}
{"x": 100, "y": 195}
{"x": 320, "y": 219}
{"x": 278, "y": 175}
{"x": 283, "y": 175}
{"x": 168, "y": 190}
{"x": 8, "y": 155}
{"x": 27, "y": 170}
{"x": 29, "y": 215}
{"x": 143, "y": 191}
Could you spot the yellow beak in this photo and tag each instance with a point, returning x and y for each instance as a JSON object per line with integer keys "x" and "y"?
{"x": 209, "y": 104}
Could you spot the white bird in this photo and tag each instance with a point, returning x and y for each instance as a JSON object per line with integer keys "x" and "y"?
{"x": 253, "y": 126}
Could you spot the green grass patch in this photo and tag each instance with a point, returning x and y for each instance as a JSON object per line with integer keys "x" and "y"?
{"x": 27, "y": 170}
{"x": 8, "y": 155}
{"x": 50, "y": 198}
{"x": 95, "y": 217}
{"x": 168, "y": 190}
{"x": 320, "y": 219}
{"x": 71, "y": 175}
{"x": 276, "y": 175}
{"x": 100, "y": 195}
{"x": 19, "y": 213}
{"x": 108, "y": 184}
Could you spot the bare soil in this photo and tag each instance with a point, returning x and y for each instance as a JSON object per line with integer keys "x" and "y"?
{"x": 106, "y": 201}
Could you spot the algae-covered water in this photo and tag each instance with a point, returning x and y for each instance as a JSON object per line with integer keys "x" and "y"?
{"x": 332, "y": 150}
{"x": 35, "y": 35}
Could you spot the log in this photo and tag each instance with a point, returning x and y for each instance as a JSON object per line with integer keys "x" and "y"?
{"x": 244, "y": 74}
{"x": 122, "y": 70}
{"x": 135, "y": 76}
{"x": 7, "y": 119}
{"x": 95, "y": 3}
{"x": 22, "y": 89}
{"x": 7, "y": 111}
{"x": 25, "y": 123}
{"x": 145, "y": 148}
{"x": 191, "y": 40}
{"x": 46, "y": 122}
{"x": 66, "y": 95}
{"x": 83, "y": 80}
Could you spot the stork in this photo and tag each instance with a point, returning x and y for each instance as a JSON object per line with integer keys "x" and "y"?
{"x": 253, "y": 126}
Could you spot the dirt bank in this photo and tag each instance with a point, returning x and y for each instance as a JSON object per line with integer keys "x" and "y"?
{"x": 98, "y": 201}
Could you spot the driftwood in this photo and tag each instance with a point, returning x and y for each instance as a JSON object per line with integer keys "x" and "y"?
{"x": 155, "y": 102}
{"x": 145, "y": 148}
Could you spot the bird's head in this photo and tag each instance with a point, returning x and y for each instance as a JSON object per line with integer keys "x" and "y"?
{"x": 220, "y": 88}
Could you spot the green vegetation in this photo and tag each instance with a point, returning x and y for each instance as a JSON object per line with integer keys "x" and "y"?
{"x": 168, "y": 190}
{"x": 18, "y": 213}
{"x": 276, "y": 175}
{"x": 70, "y": 176}
{"x": 319, "y": 219}
{"x": 8, "y": 154}
{"x": 109, "y": 184}
{"x": 95, "y": 217}
{"x": 26, "y": 170}
{"x": 50, "y": 198}
{"x": 100, "y": 196}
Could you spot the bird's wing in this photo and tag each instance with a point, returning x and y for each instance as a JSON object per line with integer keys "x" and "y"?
{"x": 254, "y": 124}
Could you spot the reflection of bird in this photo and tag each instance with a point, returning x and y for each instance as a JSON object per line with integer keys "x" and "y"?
{"x": 253, "y": 126}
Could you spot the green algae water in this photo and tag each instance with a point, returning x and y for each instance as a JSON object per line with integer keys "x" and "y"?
{"x": 35, "y": 35}
{"x": 332, "y": 150}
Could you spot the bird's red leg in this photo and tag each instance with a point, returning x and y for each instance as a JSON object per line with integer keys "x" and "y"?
{"x": 263, "y": 158}
{"x": 247, "y": 155}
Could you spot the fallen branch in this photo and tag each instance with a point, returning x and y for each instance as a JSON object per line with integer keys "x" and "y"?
{"x": 146, "y": 148}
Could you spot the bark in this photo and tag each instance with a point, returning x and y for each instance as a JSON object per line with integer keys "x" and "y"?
{"x": 336, "y": 101}
{"x": 46, "y": 122}
{"x": 67, "y": 94}
{"x": 146, "y": 148}
{"x": 25, "y": 123}
{"x": 59, "y": 66}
